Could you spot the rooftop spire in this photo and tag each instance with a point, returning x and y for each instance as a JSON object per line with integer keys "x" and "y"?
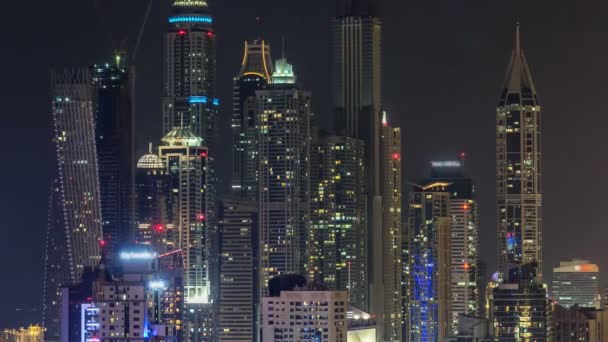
{"x": 517, "y": 41}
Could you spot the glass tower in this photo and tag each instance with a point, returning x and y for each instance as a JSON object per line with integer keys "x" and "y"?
{"x": 283, "y": 116}
{"x": 338, "y": 243}
{"x": 74, "y": 137}
{"x": 254, "y": 75}
{"x": 115, "y": 151}
{"x": 518, "y": 168}
{"x": 429, "y": 272}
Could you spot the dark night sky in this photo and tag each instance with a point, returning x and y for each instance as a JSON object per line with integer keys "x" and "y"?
{"x": 444, "y": 62}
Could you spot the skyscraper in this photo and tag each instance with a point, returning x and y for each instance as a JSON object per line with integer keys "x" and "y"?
{"x": 464, "y": 240}
{"x": 338, "y": 243}
{"x": 189, "y": 96}
{"x": 577, "y": 283}
{"x": 187, "y": 162}
{"x": 430, "y": 259}
{"x": 189, "y": 70}
{"x": 74, "y": 137}
{"x": 518, "y": 305}
{"x": 283, "y": 116}
{"x": 391, "y": 251}
{"x": 56, "y": 270}
{"x": 115, "y": 151}
{"x": 357, "y": 101}
{"x": 518, "y": 168}
{"x": 254, "y": 75}
{"x": 238, "y": 272}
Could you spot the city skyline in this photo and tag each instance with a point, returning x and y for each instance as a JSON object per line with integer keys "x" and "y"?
{"x": 404, "y": 117}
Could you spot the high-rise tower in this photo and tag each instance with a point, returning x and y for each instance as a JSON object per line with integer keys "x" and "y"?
{"x": 519, "y": 168}
{"x": 283, "y": 116}
{"x": 254, "y": 75}
{"x": 338, "y": 243}
{"x": 464, "y": 238}
{"x": 357, "y": 102}
{"x": 74, "y": 137}
{"x": 429, "y": 253}
{"x": 391, "y": 250}
{"x": 115, "y": 151}
{"x": 189, "y": 70}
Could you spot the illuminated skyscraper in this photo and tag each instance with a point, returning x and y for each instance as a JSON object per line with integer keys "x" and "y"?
{"x": 518, "y": 302}
{"x": 254, "y": 75}
{"x": 518, "y": 167}
{"x": 390, "y": 263}
{"x": 238, "y": 272}
{"x": 189, "y": 70}
{"x": 56, "y": 270}
{"x": 338, "y": 243}
{"x": 115, "y": 151}
{"x": 74, "y": 137}
{"x": 464, "y": 241}
{"x": 283, "y": 116}
{"x": 357, "y": 102}
{"x": 429, "y": 272}
{"x": 189, "y": 99}
{"x": 187, "y": 163}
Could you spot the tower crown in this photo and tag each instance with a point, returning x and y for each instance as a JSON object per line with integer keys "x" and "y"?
{"x": 256, "y": 59}
{"x": 182, "y": 136}
{"x": 518, "y": 86}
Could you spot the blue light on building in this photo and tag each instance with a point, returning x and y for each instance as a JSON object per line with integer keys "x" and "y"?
{"x": 191, "y": 19}
{"x": 203, "y": 99}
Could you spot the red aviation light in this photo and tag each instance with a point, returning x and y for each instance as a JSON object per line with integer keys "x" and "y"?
{"x": 159, "y": 228}
{"x": 182, "y": 32}
{"x": 396, "y": 156}
{"x": 210, "y": 34}
{"x": 204, "y": 154}
{"x": 200, "y": 217}
{"x": 102, "y": 243}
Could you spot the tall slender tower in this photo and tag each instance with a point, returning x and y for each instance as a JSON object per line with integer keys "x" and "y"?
{"x": 189, "y": 70}
{"x": 518, "y": 305}
{"x": 338, "y": 244}
{"x": 56, "y": 272}
{"x": 518, "y": 168}
{"x": 429, "y": 253}
{"x": 391, "y": 232}
{"x": 357, "y": 97}
{"x": 464, "y": 239}
{"x": 254, "y": 75}
{"x": 283, "y": 116}
{"x": 115, "y": 151}
{"x": 189, "y": 98}
{"x": 74, "y": 138}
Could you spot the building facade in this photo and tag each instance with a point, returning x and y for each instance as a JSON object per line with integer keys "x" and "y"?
{"x": 283, "y": 116}
{"x": 430, "y": 263}
{"x": 338, "y": 241}
{"x": 302, "y": 315}
{"x": 576, "y": 282}
{"x": 255, "y": 74}
{"x": 74, "y": 137}
{"x": 238, "y": 272}
{"x": 56, "y": 266}
{"x": 464, "y": 240}
{"x": 114, "y": 122}
{"x": 519, "y": 168}
{"x": 391, "y": 232}
{"x": 579, "y": 324}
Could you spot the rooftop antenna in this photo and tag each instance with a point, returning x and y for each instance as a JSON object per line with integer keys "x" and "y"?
{"x": 517, "y": 40}
{"x": 283, "y": 46}
{"x": 150, "y": 147}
